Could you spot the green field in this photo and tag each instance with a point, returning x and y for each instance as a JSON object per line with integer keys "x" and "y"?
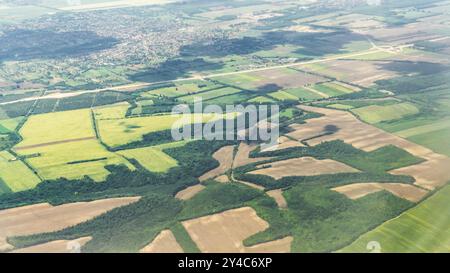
{"x": 380, "y": 55}
{"x": 375, "y": 113}
{"x": 423, "y": 129}
{"x": 281, "y": 51}
{"x": 116, "y": 132}
{"x": 340, "y": 106}
{"x": 116, "y": 69}
{"x": 58, "y": 126}
{"x": 210, "y": 94}
{"x": 282, "y": 96}
{"x": 9, "y": 125}
{"x": 304, "y": 94}
{"x": 73, "y": 160}
{"x": 438, "y": 141}
{"x": 112, "y": 111}
{"x": 230, "y": 99}
{"x": 245, "y": 81}
{"x": 15, "y": 174}
{"x": 182, "y": 89}
{"x": 63, "y": 144}
{"x": 153, "y": 158}
{"x": 261, "y": 99}
{"x": 425, "y": 228}
{"x": 332, "y": 89}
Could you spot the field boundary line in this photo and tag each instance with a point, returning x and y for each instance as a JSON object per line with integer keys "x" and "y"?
{"x": 53, "y": 143}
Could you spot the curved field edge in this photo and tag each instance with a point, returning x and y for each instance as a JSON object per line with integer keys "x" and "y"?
{"x": 424, "y": 228}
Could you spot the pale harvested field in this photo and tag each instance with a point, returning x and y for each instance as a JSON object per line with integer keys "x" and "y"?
{"x": 302, "y": 166}
{"x": 58, "y": 246}
{"x": 306, "y": 28}
{"x": 4, "y": 246}
{"x": 225, "y": 157}
{"x": 409, "y": 33}
{"x": 430, "y": 174}
{"x": 242, "y": 156}
{"x": 277, "y": 195}
{"x": 44, "y": 217}
{"x": 363, "y": 73}
{"x": 278, "y": 246}
{"x": 165, "y": 242}
{"x": 284, "y": 143}
{"x": 405, "y": 191}
{"x": 189, "y": 192}
{"x": 222, "y": 179}
{"x": 224, "y": 232}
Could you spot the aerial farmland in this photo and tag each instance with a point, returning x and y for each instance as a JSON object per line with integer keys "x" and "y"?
{"x": 88, "y": 156}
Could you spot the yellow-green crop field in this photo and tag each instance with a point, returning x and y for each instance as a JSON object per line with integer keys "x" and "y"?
{"x": 58, "y": 126}
{"x": 324, "y": 69}
{"x": 424, "y": 228}
{"x": 246, "y": 81}
{"x": 73, "y": 160}
{"x": 332, "y": 89}
{"x": 210, "y": 94}
{"x": 123, "y": 131}
{"x": 15, "y": 174}
{"x": 8, "y": 125}
{"x": 63, "y": 145}
{"x": 282, "y": 96}
{"x": 304, "y": 94}
{"x": 153, "y": 158}
{"x": 376, "y": 113}
{"x": 379, "y": 55}
{"x": 112, "y": 111}
{"x": 182, "y": 89}
{"x": 340, "y": 106}
{"x": 261, "y": 99}
{"x": 428, "y": 128}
